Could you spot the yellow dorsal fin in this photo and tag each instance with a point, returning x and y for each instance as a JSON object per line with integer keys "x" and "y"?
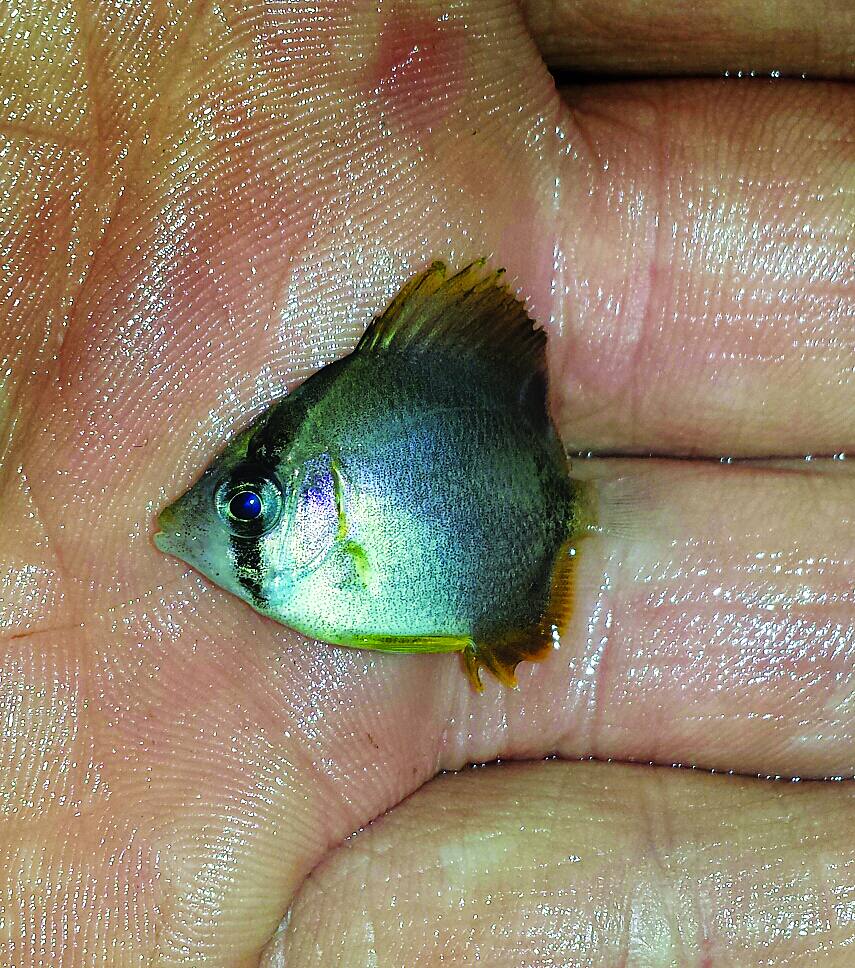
{"x": 470, "y": 315}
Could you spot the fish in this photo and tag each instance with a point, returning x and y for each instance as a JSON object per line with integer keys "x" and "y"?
{"x": 410, "y": 497}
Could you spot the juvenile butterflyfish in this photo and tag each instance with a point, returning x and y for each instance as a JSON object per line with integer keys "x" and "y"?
{"x": 411, "y": 497}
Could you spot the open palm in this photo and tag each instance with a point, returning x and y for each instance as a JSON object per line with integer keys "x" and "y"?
{"x": 202, "y": 204}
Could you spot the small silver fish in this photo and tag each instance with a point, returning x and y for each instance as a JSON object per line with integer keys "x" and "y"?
{"x": 411, "y": 497}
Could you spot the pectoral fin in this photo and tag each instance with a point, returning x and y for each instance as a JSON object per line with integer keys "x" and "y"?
{"x": 353, "y": 549}
{"x": 361, "y": 565}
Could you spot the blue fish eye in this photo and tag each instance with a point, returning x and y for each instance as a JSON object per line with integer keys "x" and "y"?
{"x": 245, "y": 506}
{"x": 249, "y": 501}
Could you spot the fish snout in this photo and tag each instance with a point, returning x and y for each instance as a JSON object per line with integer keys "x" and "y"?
{"x": 164, "y": 538}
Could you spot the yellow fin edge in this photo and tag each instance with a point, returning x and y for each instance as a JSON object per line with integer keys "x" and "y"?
{"x": 408, "y": 643}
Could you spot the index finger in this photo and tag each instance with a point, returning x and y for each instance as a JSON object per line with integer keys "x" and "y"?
{"x": 774, "y": 37}
{"x": 704, "y": 269}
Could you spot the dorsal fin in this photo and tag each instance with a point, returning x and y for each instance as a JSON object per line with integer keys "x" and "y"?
{"x": 472, "y": 314}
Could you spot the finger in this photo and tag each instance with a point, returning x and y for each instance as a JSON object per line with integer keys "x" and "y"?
{"x": 746, "y": 295}
{"x": 771, "y": 37}
{"x": 705, "y": 255}
{"x": 587, "y": 864}
{"x": 718, "y": 630}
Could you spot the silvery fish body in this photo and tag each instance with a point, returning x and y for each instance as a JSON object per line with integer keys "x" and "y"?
{"x": 411, "y": 497}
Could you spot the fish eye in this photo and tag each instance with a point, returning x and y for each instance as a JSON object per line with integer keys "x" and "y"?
{"x": 245, "y": 506}
{"x": 249, "y": 501}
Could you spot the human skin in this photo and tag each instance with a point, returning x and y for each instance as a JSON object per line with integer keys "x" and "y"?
{"x": 201, "y": 205}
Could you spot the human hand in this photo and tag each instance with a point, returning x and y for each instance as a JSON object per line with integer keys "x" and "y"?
{"x": 205, "y": 203}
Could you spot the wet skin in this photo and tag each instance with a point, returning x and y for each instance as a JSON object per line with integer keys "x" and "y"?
{"x": 211, "y": 217}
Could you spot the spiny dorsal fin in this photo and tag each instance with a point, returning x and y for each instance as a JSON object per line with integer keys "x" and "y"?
{"x": 472, "y": 314}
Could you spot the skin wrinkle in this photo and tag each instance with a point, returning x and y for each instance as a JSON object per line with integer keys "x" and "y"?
{"x": 91, "y": 81}
{"x": 186, "y": 698}
{"x": 597, "y": 704}
{"x": 653, "y": 305}
{"x": 841, "y": 353}
{"x": 600, "y": 828}
{"x": 660, "y": 840}
{"x": 30, "y": 132}
{"x": 778, "y": 38}
{"x": 98, "y": 175}
{"x": 48, "y": 558}
{"x": 643, "y": 251}
{"x": 158, "y": 107}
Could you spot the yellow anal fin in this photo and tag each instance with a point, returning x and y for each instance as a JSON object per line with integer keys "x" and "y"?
{"x": 502, "y": 655}
{"x": 409, "y": 643}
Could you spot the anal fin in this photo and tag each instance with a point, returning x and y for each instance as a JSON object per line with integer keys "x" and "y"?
{"x": 502, "y": 657}
{"x": 504, "y": 653}
{"x": 409, "y": 643}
